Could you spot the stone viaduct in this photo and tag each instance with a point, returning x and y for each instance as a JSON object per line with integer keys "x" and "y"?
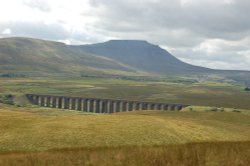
{"x": 96, "y": 105}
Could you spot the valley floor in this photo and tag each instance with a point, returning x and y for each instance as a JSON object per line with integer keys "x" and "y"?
{"x": 216, "y": 92}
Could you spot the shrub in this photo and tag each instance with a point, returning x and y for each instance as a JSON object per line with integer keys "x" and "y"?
{"x": 221, "y": 109}
{"x": 11, "y": 75}
{"x": 213, "y": 109}
{"x": 236, "y": 110}
{"x": 7, "y": 99}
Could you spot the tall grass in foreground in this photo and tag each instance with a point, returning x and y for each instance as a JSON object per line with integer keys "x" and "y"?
{"x": 191, "y": 154}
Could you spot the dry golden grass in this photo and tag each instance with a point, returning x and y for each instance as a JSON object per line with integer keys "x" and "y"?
{"x": 38, "y": 129}
{"x": 191, "y": 154}
{"x": 43, "y": 136}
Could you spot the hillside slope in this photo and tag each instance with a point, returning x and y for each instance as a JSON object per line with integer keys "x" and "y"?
{"x": 39, "y": 57}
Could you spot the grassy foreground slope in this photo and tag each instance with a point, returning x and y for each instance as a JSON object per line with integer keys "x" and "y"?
{"x": 32, "y": 129}
{"x": 191, "y": 154}
{"x": 41, "y": 136}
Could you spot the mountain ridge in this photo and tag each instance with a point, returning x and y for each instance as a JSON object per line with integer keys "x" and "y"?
{"x": 37, "y": 57}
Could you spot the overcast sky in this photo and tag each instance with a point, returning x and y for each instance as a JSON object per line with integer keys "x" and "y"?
{"x": 210, "y": 33}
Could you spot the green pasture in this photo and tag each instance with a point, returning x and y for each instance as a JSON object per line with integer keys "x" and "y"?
{"x": 214, "y": 93}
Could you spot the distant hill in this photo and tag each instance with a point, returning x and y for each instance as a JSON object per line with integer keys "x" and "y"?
{"x": 142, "y": 55}
{"x": 35, "y": 57}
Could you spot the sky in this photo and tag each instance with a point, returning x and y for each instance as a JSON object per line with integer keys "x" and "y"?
{"x": 209, "y": 33}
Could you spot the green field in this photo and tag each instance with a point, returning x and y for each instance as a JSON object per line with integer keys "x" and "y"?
{"x": 214, "y": 92}
{"x": 197, "y": 135}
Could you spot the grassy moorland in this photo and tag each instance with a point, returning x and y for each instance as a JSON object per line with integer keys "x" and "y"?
{"x": 42, "y": 136}
{"x": 197, "y": 135}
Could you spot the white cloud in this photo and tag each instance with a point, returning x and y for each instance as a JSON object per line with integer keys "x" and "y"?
{"x": 37, "y": 4}
{"x": 246, "y": 55}
{"x": 6, "y": 31}
{"x": 218, "y": 64}
{"x": 229, "y": 1}
{"x": 208, "y": 46}
{"x": 205, "y": 32}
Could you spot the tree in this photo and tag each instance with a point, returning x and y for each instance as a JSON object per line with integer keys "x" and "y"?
{"x": 247, "y": 89}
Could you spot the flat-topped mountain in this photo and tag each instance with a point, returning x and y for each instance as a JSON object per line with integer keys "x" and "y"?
{"x": 143, "y": 56}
